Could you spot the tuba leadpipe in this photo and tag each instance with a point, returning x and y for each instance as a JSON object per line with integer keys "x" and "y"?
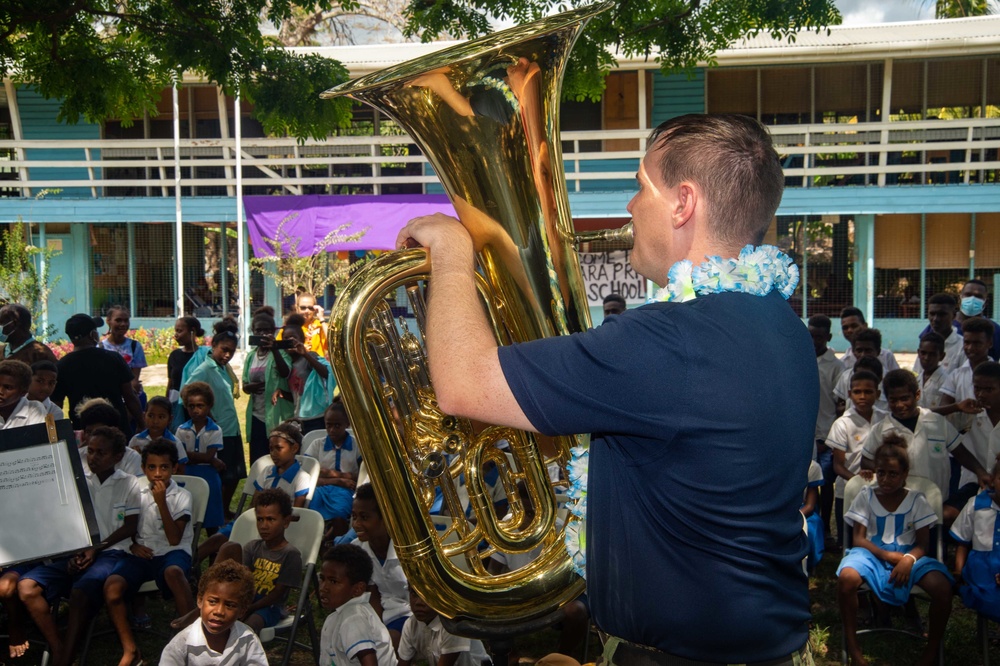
{"x": 485, "y": 114}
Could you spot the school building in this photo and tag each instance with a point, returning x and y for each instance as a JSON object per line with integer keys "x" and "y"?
{"x": 888, "y": 134}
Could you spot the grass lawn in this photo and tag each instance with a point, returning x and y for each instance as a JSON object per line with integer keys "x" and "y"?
{"x": 961, "y": 644}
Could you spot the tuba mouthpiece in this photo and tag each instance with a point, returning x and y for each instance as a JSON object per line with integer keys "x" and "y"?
{"x": 621, "y": 236}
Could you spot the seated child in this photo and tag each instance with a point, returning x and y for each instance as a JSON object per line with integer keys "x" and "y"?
{"x": 977, "y": 559}
{"x": 339, "y": 460}
{"x": 162, "y": 548}
{"x": 810, "y": 510}
{"x": 848, "y": 433}
{"x": 115, "y": 496}
{"x": 158, "y": 416}
{"x": 43, "y": 382}
{"x": 928, "y": 435}
{"x": 389, "y": 589}
{"x": 425, "y": 638}
{"x": 286, "y": 474}
{"x": 933, "y": 375}
{"x": 99, "y": 413}
{"x": 202, "y": 439}
{"x": 16, "y": 410}
{"x": 225, "y": 591}
{"x": 891, "y": 538}
{"x": 352, "y": 633}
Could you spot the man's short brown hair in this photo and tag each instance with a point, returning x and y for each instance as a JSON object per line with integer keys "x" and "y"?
{"x": 731, "y": 157}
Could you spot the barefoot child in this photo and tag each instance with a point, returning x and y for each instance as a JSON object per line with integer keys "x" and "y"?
{"x": 353, "y": 634}
{"x": 891, "y": 538}
{"x": 219, "y": 638}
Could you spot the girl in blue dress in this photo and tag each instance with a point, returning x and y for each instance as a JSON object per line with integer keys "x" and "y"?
{"x": 977, "y": 560}
{"x": 891, "y": 537}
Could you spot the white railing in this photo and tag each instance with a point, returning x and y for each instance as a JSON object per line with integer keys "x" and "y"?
{"x": 937, "y": 151}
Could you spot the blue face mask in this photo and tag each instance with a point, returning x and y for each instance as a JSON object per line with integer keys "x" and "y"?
{"x": 972, "y": 306}
{"x": 3, "y": 334}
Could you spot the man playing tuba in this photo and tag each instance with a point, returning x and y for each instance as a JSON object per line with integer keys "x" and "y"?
{"x": 702, "y": 406}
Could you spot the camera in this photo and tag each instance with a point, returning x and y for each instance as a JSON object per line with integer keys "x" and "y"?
{"x": 258, "y": 340}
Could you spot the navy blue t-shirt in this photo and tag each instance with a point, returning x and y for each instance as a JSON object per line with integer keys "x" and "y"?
{"x": 703, "y": 416}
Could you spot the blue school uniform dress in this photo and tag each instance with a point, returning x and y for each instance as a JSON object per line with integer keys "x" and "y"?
{"x": 813, "y": 521}
{"x": 895, "y": 531}
{"x": 334, "y": 501}
{"x": 977, "y": 527}
{"x": 210, "y": 437}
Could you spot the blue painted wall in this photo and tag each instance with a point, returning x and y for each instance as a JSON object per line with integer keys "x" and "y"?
{"x": 677, "y": 94}
{"x": 38, "y": 121}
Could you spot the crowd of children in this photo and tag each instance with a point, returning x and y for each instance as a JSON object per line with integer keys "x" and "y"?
{"x": 146, "y": 517}
{"x": 939, "y": 422}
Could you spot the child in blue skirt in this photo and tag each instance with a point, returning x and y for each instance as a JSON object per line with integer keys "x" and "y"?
{"x": 977, "y": 560}
{"x": 891, "y": 537}
{"x": 339, "y": 460}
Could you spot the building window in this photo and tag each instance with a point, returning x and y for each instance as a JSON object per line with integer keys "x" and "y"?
{"x": 822, "y": 246}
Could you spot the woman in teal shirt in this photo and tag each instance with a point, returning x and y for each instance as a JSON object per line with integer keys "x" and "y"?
{"x": 215, "y": 371}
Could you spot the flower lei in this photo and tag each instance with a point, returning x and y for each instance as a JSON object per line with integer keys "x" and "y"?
{"x": 757, "y": 271}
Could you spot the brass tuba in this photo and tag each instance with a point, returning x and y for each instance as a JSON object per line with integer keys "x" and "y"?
{"x": 485, "y": 113}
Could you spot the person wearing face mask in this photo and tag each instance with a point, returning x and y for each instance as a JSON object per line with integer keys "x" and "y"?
{"x": 15, "y": 334}
{"x": 91, "y": 372}
{"x": 972, "y": 303}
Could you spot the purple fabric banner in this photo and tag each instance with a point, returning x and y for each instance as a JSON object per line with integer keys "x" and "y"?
{"x": 311, "y": 217}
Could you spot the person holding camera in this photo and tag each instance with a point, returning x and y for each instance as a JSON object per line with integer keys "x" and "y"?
{"x": 311, "y": 381}
{"x": 265, "y": 380}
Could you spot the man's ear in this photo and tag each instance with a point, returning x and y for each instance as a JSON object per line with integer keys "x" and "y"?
{"x": 687, "y": 201}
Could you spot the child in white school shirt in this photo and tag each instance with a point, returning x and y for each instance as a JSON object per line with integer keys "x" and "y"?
{"x": 353, "y": 633}
{"x": 425, "y": 638}
{"x": 15, "y": 409}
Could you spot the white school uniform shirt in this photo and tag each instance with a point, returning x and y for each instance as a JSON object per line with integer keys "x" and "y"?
{"x": 391, "y": 582}
{"x": 294, "y": 481}
{"x": 141, "y": 440}
{"x": 848, "y": 434}
{"x": 131, "y": 462}
{"x": 930, "y": 391}
{"x": 26, "y": 412}
{"x": 53, "y": 409}
{"x": 347, "y": 458}
{"x": 353, "y": 628}
{"x": 982, "y": 441}
{"x": 114, "y": 500}
{"x": 151, "y": 533}
{"x": 959, "y": 387}
{"x": 928, "y": 446}
{"x": 200, "y": 441}
{"x": 830, "y": 369}
{"x": 954, "y": 352}
{"x": 886, "y": 357}
{"x": 843, "y": 391}
{"x": 189, "y": 648}
{"x": 897, "y": 527}
{"x": 428, "y": 642}
{"x": 976, "y": 526}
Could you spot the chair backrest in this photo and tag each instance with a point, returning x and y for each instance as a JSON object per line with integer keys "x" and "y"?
{"x": 305, "y": 532}
{"x": 311, "y": 437}
{"x": 311, "y": 467}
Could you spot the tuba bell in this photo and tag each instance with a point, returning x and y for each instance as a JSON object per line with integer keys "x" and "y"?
{"x": 485, "y": 113}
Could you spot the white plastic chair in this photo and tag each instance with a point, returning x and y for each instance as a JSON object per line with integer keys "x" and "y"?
{"x": 933, "y": 495}
{"x": 305, "y": 533}
{"x": 311, "y": 437}
{"x": 309, "y": 465}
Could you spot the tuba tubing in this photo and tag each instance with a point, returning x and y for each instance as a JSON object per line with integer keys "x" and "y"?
{"x": 485, "y": 113}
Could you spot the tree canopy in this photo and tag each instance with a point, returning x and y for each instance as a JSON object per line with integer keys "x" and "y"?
{"x": 112, "y": 58}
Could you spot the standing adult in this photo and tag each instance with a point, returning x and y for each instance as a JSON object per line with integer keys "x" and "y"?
{"x": 972, "y": 303}
{"x": 703, "y": 408}
{"x": 15, "y": 333}
{"x": 130, "y": 349}
{"x": 313, "y": 328}
{"x": 92, "y": 372}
